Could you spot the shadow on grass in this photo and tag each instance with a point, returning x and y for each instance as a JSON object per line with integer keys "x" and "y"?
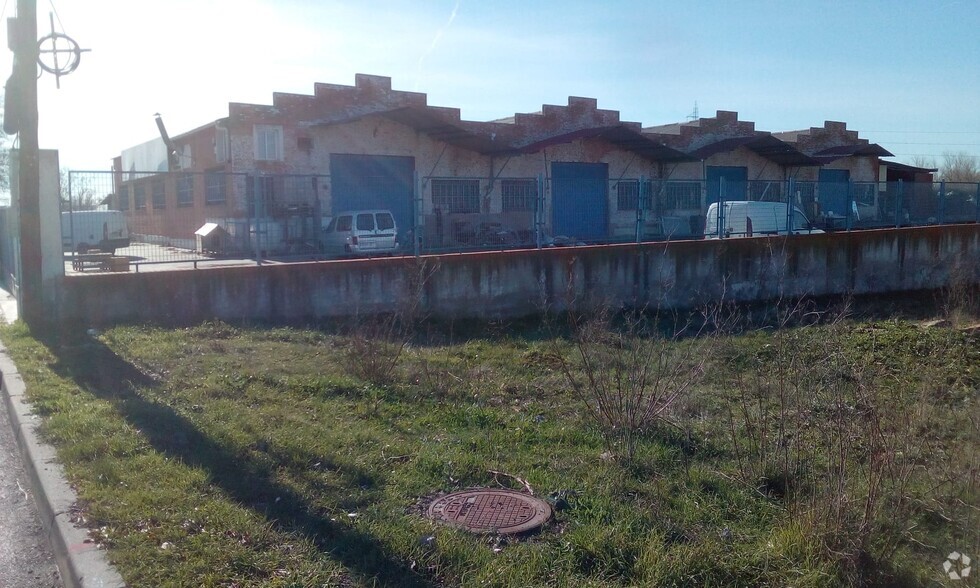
{"x": 98, "y": 370}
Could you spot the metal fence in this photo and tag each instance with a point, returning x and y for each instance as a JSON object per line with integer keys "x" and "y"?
{"x": 212, "y": 217}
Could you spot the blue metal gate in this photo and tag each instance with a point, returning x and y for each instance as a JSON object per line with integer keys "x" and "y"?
{"x": 736, "y": 182}
{"x": 362, "y": 182}
{"x": 832, "y": 192}
{"x": 580, "y": 200}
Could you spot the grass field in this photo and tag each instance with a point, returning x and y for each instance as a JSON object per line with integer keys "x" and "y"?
{"x": 838, "y": 451}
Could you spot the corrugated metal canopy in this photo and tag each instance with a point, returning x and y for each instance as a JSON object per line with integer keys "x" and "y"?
{"x": 437, "y": 127}
{"x": 767, "y": 146}
{"x": 619, "y": 135}
{"x": 908, "y": 168}
{"x": 841, "y": 151}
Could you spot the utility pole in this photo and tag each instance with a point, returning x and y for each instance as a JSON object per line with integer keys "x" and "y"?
{"x": 21, "y": 117}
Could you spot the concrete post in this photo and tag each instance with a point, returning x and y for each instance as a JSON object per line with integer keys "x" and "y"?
{"x": 24, "y": 76}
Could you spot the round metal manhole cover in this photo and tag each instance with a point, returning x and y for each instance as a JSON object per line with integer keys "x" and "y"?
{"x": 490, "y": 511}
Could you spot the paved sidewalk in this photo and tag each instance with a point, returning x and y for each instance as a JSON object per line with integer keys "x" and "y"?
{"x": 39, "y": 546}
{"x": 25, "y": 555}
{"x": 26, "y": 559}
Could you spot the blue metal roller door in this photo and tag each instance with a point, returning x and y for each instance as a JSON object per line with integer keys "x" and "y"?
{"x": 362, "y": 182}
{"x": 580, "y": 200}
{"x": 736, "y": 182}
{"x": 832, "y": 191}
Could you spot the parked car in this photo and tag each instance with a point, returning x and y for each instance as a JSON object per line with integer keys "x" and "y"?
{"x": 361, "y": 233}
{"x": 83, "y": 230}
{"x": 752, "y": 219}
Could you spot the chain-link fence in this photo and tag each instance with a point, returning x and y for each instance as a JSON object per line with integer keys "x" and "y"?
{"x": 183, "y": 217}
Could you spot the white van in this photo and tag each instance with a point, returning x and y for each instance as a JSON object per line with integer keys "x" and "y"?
{"x": 83, "y": 230}
{"x": 361, "y": 232}
{"x": 753, "y": 219}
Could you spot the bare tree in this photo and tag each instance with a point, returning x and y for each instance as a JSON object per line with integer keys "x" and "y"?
{"x": 77, "y": 191}
{"x": 959, "y": 167}
{"x": 924, "y": 162}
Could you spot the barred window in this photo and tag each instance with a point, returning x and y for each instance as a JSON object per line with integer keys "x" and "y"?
{"x": 456, "y": 196}
{"x": 766, "y": 191}
{"x": 185, "y": 190}
{"x": 124, "y": 198}
{"x": 628, "y": 195}
{"x": 680, "y": 195}
{"x": 159, "y": 193}
{"x": 139, "y": 197}
{"x": 214, "y": 184}
{"x": 519, "y": 195}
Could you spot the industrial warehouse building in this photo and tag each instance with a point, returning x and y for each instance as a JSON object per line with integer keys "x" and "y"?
{"x": 574, "y": 170}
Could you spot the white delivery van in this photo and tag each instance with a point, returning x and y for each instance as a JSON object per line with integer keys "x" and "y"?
{"x": 361, "y": 232}
{"x": 743, "y": 218}
{"x": 83, "y": 230}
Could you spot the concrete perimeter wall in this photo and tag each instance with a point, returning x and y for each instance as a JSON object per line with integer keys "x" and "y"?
{"x": 518, "y": 283}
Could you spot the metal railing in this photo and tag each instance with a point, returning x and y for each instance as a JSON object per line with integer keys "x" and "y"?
{"x": 213, "y": 217}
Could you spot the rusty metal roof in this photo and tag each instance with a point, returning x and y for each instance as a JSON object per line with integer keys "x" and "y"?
{"x": 495, "y": 138}
{"x": 894, "y": 165}
{"x": 442, "y": 128}
{"x": 764, "y": 144}
{"x": 841, "y": 151}
{"x": 620, "y": 135}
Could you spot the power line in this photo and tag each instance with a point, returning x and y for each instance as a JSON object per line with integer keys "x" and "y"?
{"x": 928, "y": 132}
{"x": 56, "y": 15}
{"x": 937, "y": 144}
{"x": 940, "y": 155}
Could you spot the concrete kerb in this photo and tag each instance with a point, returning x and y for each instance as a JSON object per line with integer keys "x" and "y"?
{"x": 81, "y": 563}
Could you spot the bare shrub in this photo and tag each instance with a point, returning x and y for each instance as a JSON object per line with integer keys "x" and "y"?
{"x": 852, "y": 447}
{"x": 772, "y": 406}
{"x": 960, "y": 298}
{"x": 376, "y": 343}
{"x": 629, "y": 368}
{"x": 374, "y": 347}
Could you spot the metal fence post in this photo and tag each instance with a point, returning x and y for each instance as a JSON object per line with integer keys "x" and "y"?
{"x": 254, "y": 217}
{"x": 790, "y": 184}
{"x": 640, "y": 200}
{"x": 942, "y": 202}
{"x": 71, "y": 218}
{"x": 417, "y": 217}
{"x": 899, "y": 196}
{"x": 721, "y": 207}
{"x": 539, "y": 212}
{"x": 976, "y": 204}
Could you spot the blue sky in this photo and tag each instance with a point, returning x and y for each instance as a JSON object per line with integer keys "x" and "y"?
{"x": 904, "y": 74}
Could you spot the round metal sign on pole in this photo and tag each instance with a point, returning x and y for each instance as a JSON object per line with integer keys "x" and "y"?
{"x": 58, "y": 54}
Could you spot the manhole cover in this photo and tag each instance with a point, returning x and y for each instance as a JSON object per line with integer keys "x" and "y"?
{"x": 491, "y": 511}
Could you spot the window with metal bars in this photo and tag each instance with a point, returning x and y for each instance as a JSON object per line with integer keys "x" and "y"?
{"x": 185, "y": 190}
{"x": 139, "y": 197}
{"x": 159, "y": 193}
{"x": 519, "y": 195}
{"x": 456, "y": 196}
{"x": 628, "y": 195}
{"x": 214, "y": 188}
{"x": 763, "y": 191}
{"x": 124, "y": 198}
{"x": 677, "y": 195}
